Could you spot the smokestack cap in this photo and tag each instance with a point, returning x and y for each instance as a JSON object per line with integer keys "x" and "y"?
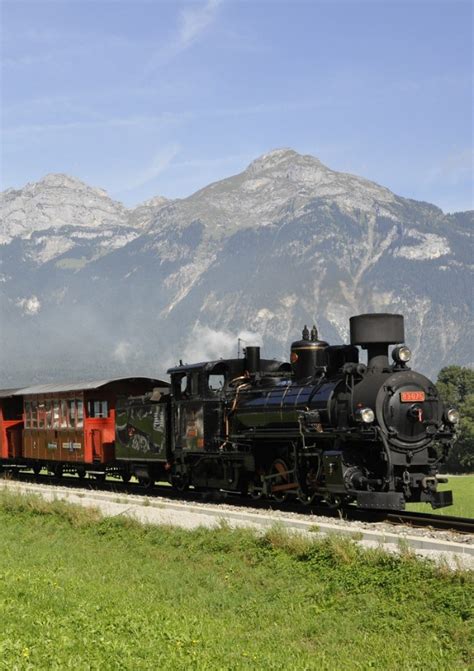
{"x": 377, "y": 328}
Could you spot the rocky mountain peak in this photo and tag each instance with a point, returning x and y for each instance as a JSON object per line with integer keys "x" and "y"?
{"x": 157, "y": 201}
{"x": 59, "y": 179}
{"x": 272, "y": 159}
{"x": 54, "y": 202}
{"x": 313, "y": 179}
{"x": 60, "y": 182}
{"x": 279, "y": 182}
{"x": 143, "y": 214}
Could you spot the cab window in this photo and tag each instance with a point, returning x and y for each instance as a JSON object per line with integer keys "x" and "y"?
{"x": 216, "y": 382}
{"x": 186, "y": 385}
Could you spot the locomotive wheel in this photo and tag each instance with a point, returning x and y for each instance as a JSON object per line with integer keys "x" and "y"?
{"x": 306, "y": 499}
{"x": 126, "y": 477}
{"x": 279, "y": 469}
{"x": 180, "y": 484}
{"x": 99, "y": 477}
{"x": 36, "y": 469}
{"x": 333, "y": 501}
{"x": 255, "y": 492}
{"x": 146, "y": 483}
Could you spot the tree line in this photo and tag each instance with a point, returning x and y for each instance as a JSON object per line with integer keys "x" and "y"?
{"x": 456, "y": 386}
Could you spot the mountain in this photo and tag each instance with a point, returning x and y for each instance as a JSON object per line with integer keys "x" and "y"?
{"x": 89, "y": 285}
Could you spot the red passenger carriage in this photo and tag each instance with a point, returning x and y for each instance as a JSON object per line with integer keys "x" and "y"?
{"x": 65, "y": 427}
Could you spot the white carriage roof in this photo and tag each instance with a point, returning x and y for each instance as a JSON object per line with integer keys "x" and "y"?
{"x": 57, "y": 387}
{"x": 6, "y": 393}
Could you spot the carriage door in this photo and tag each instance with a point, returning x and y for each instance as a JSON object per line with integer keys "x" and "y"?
{"x": 14, "y": 442}
{"x": 96, "y": 435}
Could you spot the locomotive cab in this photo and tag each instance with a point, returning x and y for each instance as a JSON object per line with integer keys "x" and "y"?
{"x": 204, "y": 398}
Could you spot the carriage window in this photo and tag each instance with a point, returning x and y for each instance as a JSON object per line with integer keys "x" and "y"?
{"x": 71, "y": 407}
{"x": 98, "y": 409}
{"x": 27, "y": 415}
{"x": 49, "y": 414}
{"x": 55, "y": 414}
{"x": 34, "y": 415}
{"x": 41, "y": 415}
{"x": 80, "y": 414}
{"x": 63, "y": 414}
{"x": 216, "y": 382}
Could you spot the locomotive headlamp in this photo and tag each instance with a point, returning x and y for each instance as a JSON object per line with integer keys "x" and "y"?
{"x": 452, "y": 415}
{"x": 401, "y": 354}
{"x": 365, "y": 415}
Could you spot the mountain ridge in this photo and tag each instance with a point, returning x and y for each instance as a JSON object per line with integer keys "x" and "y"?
{"x": 286, "y": 241}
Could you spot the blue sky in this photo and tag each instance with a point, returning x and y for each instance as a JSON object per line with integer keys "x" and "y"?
{"x": 150, "y": 98}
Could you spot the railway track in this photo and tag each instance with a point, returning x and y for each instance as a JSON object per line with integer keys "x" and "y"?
{"x": 446, "y": 522}
{"x": 464, "y": 525}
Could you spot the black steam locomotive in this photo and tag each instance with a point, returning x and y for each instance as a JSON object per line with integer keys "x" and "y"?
{"x": 322, "y": 427}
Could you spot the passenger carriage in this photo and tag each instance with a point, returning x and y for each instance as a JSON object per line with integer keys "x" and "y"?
{"x": 65, "y": 427}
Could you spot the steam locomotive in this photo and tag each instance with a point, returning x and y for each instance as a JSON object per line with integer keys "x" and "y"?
{"x": 322, "y": 427}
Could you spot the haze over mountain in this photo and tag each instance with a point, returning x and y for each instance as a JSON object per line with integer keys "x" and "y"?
{"x": 91, "y": 288}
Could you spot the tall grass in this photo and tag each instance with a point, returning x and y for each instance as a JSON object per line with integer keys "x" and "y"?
{"x": 84, "y": 592}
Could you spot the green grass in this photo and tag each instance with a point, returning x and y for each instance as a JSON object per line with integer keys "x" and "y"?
{"x": 462, "y": 487}
{"x": 82, "y": 592}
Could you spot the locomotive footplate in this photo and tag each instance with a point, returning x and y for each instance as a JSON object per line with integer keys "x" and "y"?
{"x": 381, "y": 500}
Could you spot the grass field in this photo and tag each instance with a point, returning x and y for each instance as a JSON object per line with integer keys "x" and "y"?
{"x": 82, "y": 592}
{"x": 462, "y": 487}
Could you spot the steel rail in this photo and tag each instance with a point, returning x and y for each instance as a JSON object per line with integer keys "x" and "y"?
{"x": 350, "y": 513}
{"x": 446, "y": 522}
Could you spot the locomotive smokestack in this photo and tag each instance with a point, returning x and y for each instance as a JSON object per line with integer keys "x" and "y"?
{"x": 375, "y": 332}
{"x": 252, "y": 359}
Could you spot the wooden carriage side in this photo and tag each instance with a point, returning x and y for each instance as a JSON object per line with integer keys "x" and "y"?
{"x": 70, "y": 422}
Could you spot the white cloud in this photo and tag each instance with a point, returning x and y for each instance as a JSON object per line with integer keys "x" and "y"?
{"x": 159, "y": 121}
{"x": 453, "y": 169}
{"x": 30, "y": 306}
{"x": 159, "y": 162}
{"x": 206, "y": 344}
{"x": 194, "y": 21}
{"x": 123, "y": 351}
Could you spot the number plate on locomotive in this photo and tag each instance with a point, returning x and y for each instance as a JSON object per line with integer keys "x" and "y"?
{"x": 412, "y": 396}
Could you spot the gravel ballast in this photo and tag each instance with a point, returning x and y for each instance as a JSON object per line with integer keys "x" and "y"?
{"x": 454, "y": 549}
